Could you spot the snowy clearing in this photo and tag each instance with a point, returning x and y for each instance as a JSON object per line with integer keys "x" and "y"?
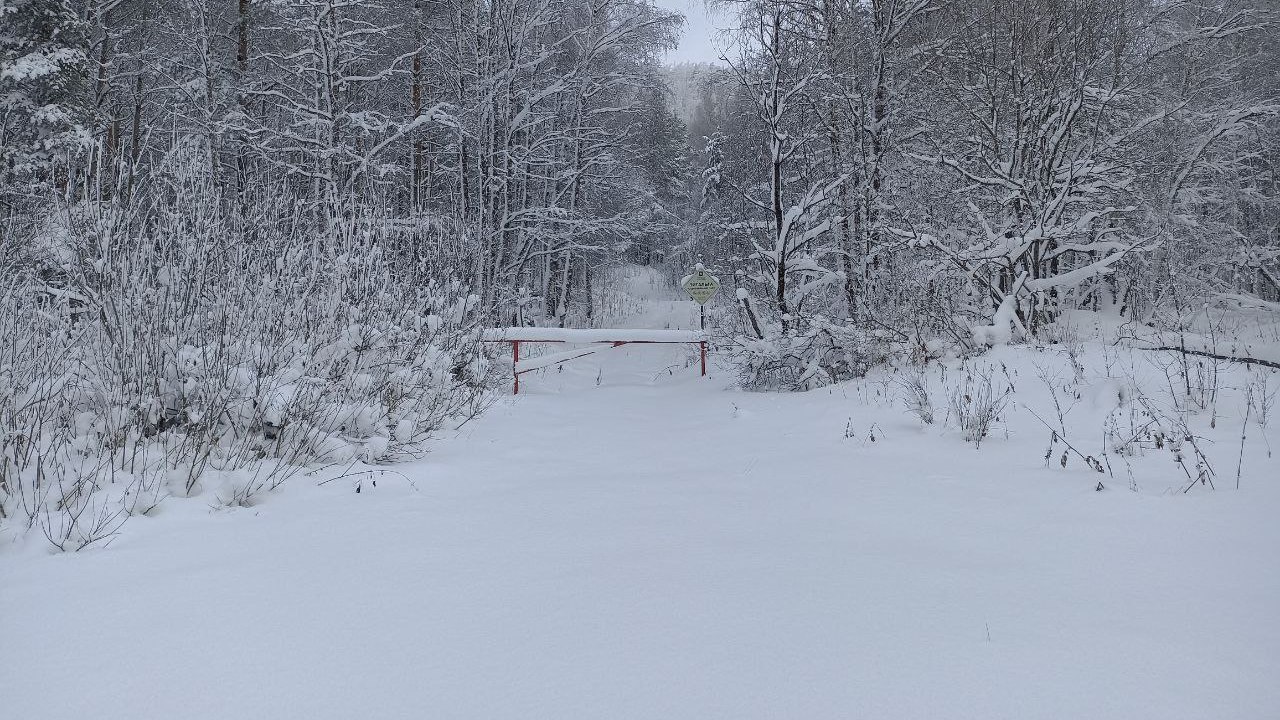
{"x": 627, "y": 540}
{"x": 470, "y": 360}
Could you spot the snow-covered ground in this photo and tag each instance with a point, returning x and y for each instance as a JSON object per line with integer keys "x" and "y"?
{"x": 628, "y": 540}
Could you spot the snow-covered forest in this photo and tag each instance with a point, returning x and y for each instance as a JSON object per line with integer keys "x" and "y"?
{"x": 250, "y": 250}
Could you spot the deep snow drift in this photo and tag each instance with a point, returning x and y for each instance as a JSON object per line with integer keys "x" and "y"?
{"x": 628, "y": 540}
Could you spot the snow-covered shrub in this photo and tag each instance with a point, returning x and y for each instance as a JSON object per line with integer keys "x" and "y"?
{"x": 812, "y": 352}
{"x": 914, "y": 387}
{"x": 903, "y": 314}
{"x": 1260, "y": 397}
{"x": 1170, "y": 426}
{"x": 976, "y": 403}
{"x": 177, "y": 357}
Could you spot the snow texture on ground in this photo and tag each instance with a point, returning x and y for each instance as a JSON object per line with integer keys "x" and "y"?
{"x": 628, "y": 540}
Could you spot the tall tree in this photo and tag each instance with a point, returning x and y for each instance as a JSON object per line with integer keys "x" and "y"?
{"x": 44, "y": 93}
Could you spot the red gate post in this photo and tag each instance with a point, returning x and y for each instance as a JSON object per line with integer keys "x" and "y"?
{"x": 703, "y": 345}
{"x": 515, "y": 360}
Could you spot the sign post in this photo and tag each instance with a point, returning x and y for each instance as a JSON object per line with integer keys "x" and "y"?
{"x": 701, "y": 286}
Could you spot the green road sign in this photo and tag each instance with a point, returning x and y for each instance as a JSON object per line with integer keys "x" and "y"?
{"x": 701, "y": 286}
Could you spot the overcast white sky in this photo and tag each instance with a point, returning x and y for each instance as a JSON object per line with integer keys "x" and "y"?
{"x": 699, "y": 43}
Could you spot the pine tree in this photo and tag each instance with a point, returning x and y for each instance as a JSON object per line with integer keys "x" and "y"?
{"x": 43, "y": 90}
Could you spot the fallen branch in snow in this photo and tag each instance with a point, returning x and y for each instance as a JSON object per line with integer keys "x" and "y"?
{"x": 1217, "y": 356}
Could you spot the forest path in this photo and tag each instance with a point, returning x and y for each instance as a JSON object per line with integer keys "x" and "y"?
{"x": 628, "y": 540}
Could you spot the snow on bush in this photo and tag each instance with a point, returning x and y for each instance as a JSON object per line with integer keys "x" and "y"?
{"x": 177, "y": 364}
{"x": 914, "y": 388}
{"x": 812, "y": 352}
{"x": 976, "y": 402}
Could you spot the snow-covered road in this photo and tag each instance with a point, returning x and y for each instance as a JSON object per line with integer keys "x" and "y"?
{"x": 627, "y": 540}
